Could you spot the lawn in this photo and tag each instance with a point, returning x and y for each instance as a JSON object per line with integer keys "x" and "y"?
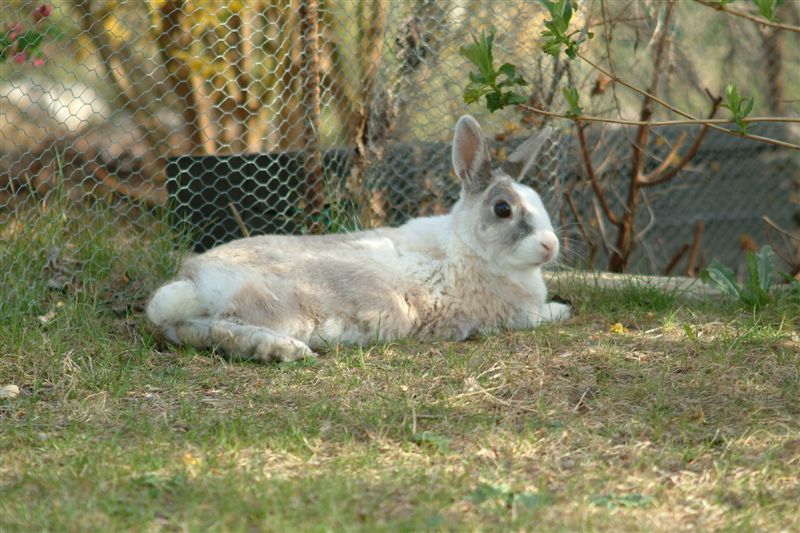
{"x": 650, "y": 410}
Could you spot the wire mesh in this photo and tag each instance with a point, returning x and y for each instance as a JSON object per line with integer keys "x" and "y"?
{"x": 294, "y": 116}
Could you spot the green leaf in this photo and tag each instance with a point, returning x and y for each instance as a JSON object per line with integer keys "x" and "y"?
{"x": 738, "y": 107}
{"x": 560, "y": 10}
{"x": 473, "y": 93}
{"x": 760, "y": 269}
{"x": 30, "y": 40}
{"x": 732, "y": 98}
{"x": 509, "y": 70}
{"x": 494, "y": 101}
{"x": 722, "y": 277}
{"x": 752, "y": 293}
{"x": 514, "y": 98}
{"x": 765, "y": 267}
{"x": 571, "y": 96}
{"x": 748, "y": 106}
{"x": 480, "y": 54}
{"x": 566, "y": 11}
{"x": 477, "y": 78}
{"x": 551, "y": 47}
{"x": 766, "y": 8}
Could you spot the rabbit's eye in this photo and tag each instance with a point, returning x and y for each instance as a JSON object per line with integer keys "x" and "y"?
{"x": 502, "y": 209}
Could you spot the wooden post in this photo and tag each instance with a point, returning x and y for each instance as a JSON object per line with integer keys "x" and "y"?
{"x": 312, "y": 155}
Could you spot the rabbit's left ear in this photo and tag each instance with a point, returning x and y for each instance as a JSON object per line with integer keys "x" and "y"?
{"x": 470, "y": 156}
{"x": 521, "y": 159}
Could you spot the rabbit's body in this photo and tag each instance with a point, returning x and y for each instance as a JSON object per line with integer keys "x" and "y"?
{"x": 444, "y": 277}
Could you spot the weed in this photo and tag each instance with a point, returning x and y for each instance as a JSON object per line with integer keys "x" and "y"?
{"x": 757, "y": 289}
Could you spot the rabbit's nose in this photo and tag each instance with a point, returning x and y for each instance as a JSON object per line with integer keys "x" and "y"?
{"x": 549, "y": 242}
{"x": 549, "y": 245}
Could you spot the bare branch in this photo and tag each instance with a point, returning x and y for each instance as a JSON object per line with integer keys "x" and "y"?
{"x": 587, "y": 238}
{"x": 661, "y": 175}
{"x": 640, "y": 146}
{"x": 626, "y": 235}
{"x": 239, "y": 220}
{"x": 676, "y": 259}
{"x": 596, "y": 187}
{"x": 748, "y": 16}
{"x": 692, "y": 261}
{"x": 645, "y": 179}
{"x": 779, "y": 229}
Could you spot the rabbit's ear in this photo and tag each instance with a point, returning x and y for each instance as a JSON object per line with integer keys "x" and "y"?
{"x": 470, "y": 156}
{"x": 521, "y": 159}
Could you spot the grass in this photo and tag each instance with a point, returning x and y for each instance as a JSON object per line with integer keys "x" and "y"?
{"x": 686, "y": 417}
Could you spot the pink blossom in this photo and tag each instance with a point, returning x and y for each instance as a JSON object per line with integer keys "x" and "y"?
{"x": 20, "y": 57}
{"x": 14, "y": 30}
{"x": 42, "y": 12}
{"x": 38, "y": 61}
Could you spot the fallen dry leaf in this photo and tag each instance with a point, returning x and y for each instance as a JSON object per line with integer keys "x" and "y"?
{"x": 8, "y": 392}
{"x": 618, "y": 328}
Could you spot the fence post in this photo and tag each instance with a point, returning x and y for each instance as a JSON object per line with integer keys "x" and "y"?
{"x": 312, "y": 156}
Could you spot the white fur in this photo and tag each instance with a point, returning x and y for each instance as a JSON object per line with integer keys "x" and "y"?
{"x": 173, "y": 302}
{"x": 471, "y": 271}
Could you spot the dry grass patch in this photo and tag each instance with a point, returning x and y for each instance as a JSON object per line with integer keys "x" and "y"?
{"x": 682, "y": 416}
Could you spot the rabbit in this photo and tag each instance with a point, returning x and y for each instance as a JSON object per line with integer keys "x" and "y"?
{"x": 475, "y": 270}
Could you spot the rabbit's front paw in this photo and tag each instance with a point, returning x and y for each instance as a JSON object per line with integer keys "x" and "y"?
{"x": 282, "y": 349}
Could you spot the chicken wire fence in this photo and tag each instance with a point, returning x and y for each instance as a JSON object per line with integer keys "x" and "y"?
{"x": 227, "y": 118}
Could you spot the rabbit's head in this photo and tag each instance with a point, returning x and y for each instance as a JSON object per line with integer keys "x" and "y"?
{"x": 500, "y": 219}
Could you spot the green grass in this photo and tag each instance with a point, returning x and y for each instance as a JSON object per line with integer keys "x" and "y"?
{"x": 689, "y": 418}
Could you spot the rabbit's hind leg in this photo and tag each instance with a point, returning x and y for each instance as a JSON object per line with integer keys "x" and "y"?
{"x": 556, "y": 312}
{"x": 256, "y": 342}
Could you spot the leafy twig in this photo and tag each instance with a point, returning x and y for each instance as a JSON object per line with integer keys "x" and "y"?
{"x": 557, "y": 32}
{"x": 593, "y": 181}
{"x": 682, "y": 113}
{"x": 738, "y": 106}
{"x": 657, "y": 123}
{"x": 487, "y": 81}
